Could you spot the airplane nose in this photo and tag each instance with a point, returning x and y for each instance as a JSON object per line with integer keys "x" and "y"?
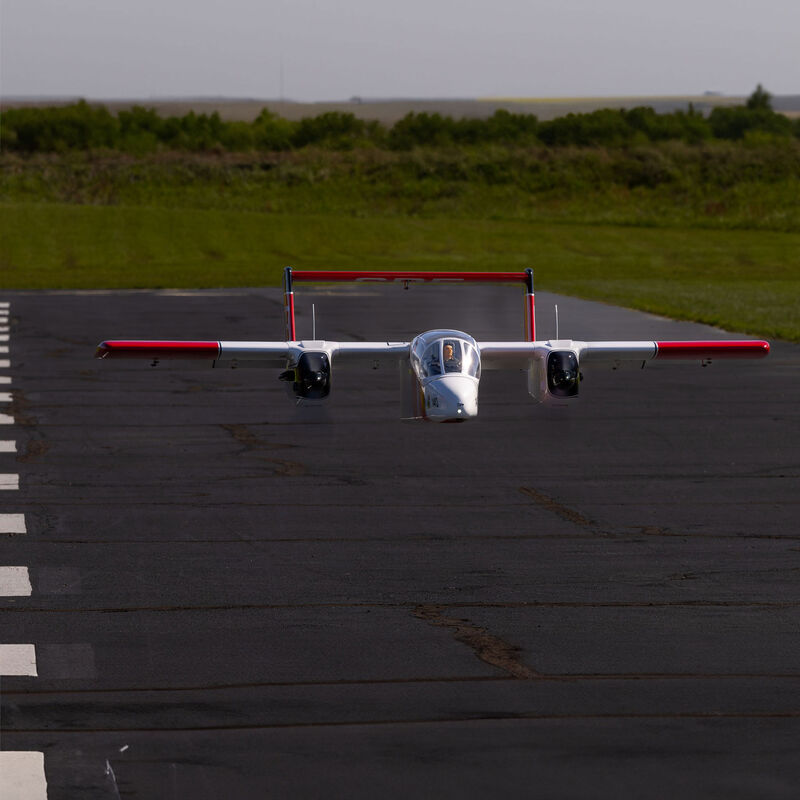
{"x": 452, "y": 399}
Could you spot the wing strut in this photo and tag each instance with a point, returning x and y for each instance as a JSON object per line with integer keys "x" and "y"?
{"x": 530, "y": 311}
{"x": 288, "y": 305}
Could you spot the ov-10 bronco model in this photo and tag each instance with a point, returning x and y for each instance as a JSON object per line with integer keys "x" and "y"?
{"x": 440, "y": 369}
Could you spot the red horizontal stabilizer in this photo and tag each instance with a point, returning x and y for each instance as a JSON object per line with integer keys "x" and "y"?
{"x": 712, "y": 349}
{"x": 402, "y": 276}
{"x": 156, "y": 350}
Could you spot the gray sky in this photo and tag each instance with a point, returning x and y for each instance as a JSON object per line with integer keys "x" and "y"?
{"x": 333, "y": 49}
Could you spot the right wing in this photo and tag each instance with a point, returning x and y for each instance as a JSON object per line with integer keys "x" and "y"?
{"x": 517, "y": 355}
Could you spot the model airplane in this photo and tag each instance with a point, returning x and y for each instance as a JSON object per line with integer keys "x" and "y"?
{"x": 440, "y": 369}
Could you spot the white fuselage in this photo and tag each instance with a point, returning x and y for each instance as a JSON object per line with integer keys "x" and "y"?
{"x": 451, "y": 398}
{"x": 447, "y": 364}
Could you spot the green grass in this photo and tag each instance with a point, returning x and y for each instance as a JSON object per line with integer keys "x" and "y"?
{"x": 743, "y": 280}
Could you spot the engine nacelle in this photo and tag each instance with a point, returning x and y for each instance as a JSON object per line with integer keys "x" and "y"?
{"x": 554, "y": 376}
{"x": 563, "y": 375}
{"x": 311, "y": 377}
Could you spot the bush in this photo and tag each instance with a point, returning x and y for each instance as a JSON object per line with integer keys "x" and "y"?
{"x": 73, "y": 127}
{"x": 272, "y": 132}
{"x": 734, "y": 122}
{"x": 421, "y": 130}
{"x": 336, "y": 130}
{"x": 81, "y": 127}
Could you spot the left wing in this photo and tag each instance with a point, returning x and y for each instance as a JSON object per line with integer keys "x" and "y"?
{"x": 267, "y": 354}
{"x": 517, "y": 355}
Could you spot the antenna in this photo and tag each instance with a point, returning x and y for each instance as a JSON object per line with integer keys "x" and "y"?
{"x": 556, "y": 320}
{"x": 313, "y": 323}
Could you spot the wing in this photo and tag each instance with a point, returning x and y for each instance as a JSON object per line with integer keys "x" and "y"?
{"x": 517, "y": 355}
{"x": 369, "y": 354}
{"x": 267, "y": 354}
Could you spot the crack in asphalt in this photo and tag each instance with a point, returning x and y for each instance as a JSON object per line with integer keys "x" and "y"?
{"x": 17, "y": 609}
{"x": 34, "y": 450}
{"x": 548, "y": 503}
{"x": 244, "y": 436}
{"x": 488, "y": 648}
{"x": 19, "y": 409}
{"x": 467, "y": 718}
{"x": 553, "y": 677}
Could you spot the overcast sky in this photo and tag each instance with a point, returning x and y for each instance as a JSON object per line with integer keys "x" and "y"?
{"x": 334, "y": 49}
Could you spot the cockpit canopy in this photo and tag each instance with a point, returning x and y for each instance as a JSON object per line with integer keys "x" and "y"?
{"x": 444, "y": 352}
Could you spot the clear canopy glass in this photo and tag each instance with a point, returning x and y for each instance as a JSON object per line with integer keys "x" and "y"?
{"x": 441, "y": 353}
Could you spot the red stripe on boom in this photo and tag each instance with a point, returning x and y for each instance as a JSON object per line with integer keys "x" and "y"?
{"x": 157, "y": 349}
{"x": 712, "y": 349}
{"x": 402, "y": 275}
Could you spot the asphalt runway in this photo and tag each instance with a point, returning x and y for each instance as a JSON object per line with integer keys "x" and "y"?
{"x": 233, "y": 598}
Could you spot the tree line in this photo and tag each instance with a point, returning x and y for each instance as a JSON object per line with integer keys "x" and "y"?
{"x": 140, "y": 130}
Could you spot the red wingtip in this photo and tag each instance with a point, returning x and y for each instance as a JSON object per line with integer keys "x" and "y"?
{"x": 157, "y": 349}
{"x": 713, "y": 349}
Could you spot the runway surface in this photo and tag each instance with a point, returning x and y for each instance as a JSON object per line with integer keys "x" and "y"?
{"x": 231, "y": 599}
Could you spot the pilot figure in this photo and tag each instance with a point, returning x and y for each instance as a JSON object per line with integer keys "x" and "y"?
{"x": 451, "y": 363}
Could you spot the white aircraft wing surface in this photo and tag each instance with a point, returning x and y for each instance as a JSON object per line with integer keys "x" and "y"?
{"x": 267, "y": 354}
{"x": 517, "y": 355}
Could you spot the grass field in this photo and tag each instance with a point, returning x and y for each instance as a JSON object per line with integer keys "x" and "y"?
{"x": 742, "y": 280}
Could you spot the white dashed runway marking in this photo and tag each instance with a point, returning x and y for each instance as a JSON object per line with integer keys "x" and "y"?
{"x": 12, "y": 523}
{"x": 22, "y": 775}
{"x": 15, "y": 582}
{"x": 18, "y": 659}
{"x": 9, "y": 481}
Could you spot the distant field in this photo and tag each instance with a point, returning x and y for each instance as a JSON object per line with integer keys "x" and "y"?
{"x": 740, "y": 280}
{"x": 699, "y": 229}
{"x": 390, "y": 111}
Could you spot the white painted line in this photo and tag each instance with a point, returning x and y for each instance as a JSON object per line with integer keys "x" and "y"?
{"x": 4, "y": 363}
{"x": 5, "y": 303}
{"x": 12, "y": 523}
{"x": 3, "y": 337}
{"x": 18, "y": 659}
{"x": 3, "y": 348}
{"x": 8, "y": 446}
{"x": 4, "y": 328}
{"x": 22, "y": 775}
{"x": 5, "y": 379}
{"x": 9, "y": 481}
{"x": 6, "y": 419}
{"x": 5, "y": 397}
{"x": 15, "y": 582}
